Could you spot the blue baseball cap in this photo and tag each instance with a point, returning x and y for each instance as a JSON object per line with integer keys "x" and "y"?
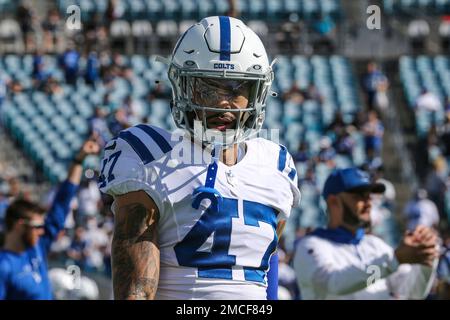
{"x": 350, "y": 180}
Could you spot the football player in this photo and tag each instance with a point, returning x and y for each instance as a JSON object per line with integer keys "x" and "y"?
{"x": 198, "y": 215}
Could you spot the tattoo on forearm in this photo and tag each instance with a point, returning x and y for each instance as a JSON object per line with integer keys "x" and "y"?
{"x": 135, "y": 255}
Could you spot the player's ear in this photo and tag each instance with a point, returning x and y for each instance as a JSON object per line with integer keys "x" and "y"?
{"x": 334, "y": 204}
{"x": 333, "y": 201}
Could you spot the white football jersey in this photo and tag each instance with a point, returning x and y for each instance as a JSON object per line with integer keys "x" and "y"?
{"x": 206, "y": 253}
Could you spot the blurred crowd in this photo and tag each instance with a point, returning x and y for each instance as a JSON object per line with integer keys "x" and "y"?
{"x": 110, "y": 116}
{"x": 110, "y": 30}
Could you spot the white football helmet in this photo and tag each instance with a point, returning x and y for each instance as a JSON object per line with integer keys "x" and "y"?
{"x": 219, "y": 53}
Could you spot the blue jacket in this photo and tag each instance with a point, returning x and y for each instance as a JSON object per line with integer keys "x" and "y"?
{"x": 24, "y": 276}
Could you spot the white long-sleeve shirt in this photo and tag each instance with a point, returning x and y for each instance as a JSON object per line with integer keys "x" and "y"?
{"x": 352, "y": 270}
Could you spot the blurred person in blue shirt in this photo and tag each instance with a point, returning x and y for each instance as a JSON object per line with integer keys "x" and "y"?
{"x": 29, "y": 234}
{"x": 4, "y": 203}
{"x": 302, "y": 154}
{"x": 91, "y": 75}
{"x": 324, "y": 25}
{"x": 326, "y": 153}
{"x": 325, "y": 28}
{"x": 39, "y": 74}
{"x": 78, "y": 248}
{"x": 344, "y": 143}
{"x": 372, "y": 81}
{"x": 443, "y": 271}
{"x": 69, "y": 62}
{"x": 4, "y": 81}
{"x": 373, "y": 131}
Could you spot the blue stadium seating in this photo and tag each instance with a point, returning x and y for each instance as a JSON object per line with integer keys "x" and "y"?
{"x": 425, "y": 72}
{"x": 8, "y": 6}
{"x": 155, "y": 10}
{"x": 416, "y": 7}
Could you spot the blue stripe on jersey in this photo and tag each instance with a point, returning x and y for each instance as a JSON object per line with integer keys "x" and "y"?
{"x": 225, "y": 38}
{"x": 217, "y": 273}
{"x": 282, "y": 158}
{"x": 137, "y": 146}
{"x": 157, "y": 137}
{"x": 253, "y": 274}
{"x": 292, "y": 174}
{"x": 272, "y": 278}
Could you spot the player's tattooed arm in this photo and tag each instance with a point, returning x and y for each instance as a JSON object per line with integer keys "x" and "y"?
{"x": 135, "y": 252}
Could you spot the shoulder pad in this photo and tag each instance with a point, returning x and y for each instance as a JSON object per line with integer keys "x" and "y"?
{"x": 148, "y": 142}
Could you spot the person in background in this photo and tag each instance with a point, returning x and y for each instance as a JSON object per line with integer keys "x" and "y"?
{"x": 91, "y": 75}
{"x": 373, "y": 131}
{"x": 52, "y": 28}
{"x": 428, "y": 102}
{"x": 97, "y": 240}
{"x": 26, "y": 17}
{"x": 421, "y": 211}
{"x": 326, "y": 153}
{"x": 444, "y": 135}
{"x": 89, "y": 199}
{"x": 312, "y": 93}
{"x": 340, "y": 261}
{"x": 133, "y": 108}
{"x": 69, "y": 62}
{"x": 344, "y": 143}
{"x": 443, "y": 270}
{"x": 436, "y": 187}
{"x": 302, "y": 154}
{"x": 325, "y": 29}
{"x": 118, "y": 121}
{"x": 447, "y": 105}
{"x": 4, "y": 83}
{"x": 77, "y": 251}
{"x": 372, "y": 81}
{"x": 39, "y": 74}
{"x": 29, "y": 235}
{"x": 295, "y": 94}
{"x": 98, "y": 126}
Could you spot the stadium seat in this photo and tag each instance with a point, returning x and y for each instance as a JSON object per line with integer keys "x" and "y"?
{"x": 221, "y": 7}
{"x": 170, "y": 10}
{"x": 259, "y": 27}
{"x": 10, "y": 36}
{"x": 167, "y": 32}
{"x": 120, "y": 32}
{"x": 185, "y": 25}
{"x": 142, "y": 31}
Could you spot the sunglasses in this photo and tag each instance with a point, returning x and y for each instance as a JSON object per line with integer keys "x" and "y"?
{"x": 34, "y": 225}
